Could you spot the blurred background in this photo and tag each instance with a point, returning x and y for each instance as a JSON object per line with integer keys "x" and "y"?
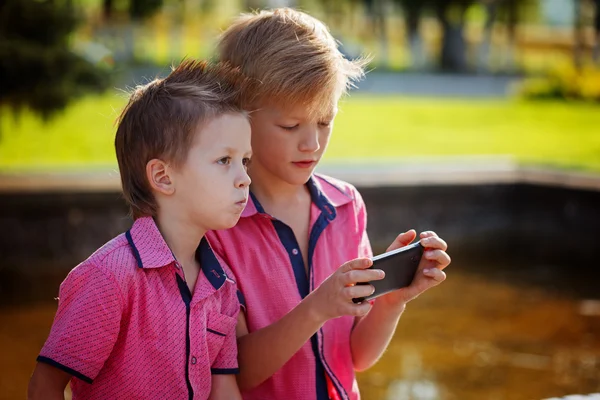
{"x": 479, "y": 119}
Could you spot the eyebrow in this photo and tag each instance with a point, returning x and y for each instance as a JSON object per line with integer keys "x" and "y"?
{"x": 228, "y": 149}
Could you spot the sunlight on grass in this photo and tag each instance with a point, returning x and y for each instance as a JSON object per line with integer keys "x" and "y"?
{"x": 550, "y": 133}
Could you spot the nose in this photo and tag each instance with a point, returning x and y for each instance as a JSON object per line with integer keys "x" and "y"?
{"x": 243, "y": 179}
{"x": 310, "y": 140}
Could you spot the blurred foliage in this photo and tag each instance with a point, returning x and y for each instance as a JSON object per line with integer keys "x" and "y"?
{"x": 38, "y": 69}
{"x": 144, "y": 8}
{"x": 564, "y": 82}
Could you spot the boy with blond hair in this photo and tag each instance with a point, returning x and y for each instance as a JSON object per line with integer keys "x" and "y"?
{"x": 300, "y": 336}
{"x": 151, "y": 314}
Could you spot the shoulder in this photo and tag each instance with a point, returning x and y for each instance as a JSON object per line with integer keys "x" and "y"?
{"x": 330, "y": 184}
{"x": 114, "y": 259}
{"x": 341, "y": 192}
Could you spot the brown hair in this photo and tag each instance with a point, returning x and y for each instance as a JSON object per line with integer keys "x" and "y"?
{"x": 160, "y": 120}
{"x": 294, "y": 57}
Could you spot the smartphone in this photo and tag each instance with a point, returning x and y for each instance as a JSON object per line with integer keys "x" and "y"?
{"x": 400, "y": 267}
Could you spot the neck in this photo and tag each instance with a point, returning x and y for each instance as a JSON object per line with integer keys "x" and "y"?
{"x": 271, "y": 190}
{"x": 182, "y": 236}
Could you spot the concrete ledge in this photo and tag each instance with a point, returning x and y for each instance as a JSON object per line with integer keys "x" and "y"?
{"x": 474, "y": 170}
{"x": 47, "y": 232}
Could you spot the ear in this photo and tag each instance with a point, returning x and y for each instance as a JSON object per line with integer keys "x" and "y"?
{"x": 157, "y": 172}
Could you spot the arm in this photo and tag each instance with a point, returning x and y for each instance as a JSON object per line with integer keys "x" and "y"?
{"x": 373, "y": 332}
{"x": 75, "y": 347}
{"x": 47, "y": 383}
{"x": 264, "y": 351}
{"x": 224, "y": 387}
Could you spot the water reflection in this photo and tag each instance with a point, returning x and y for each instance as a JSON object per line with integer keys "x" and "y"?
{"x": 478, "y": 336}
{"x": 481, "y": 337}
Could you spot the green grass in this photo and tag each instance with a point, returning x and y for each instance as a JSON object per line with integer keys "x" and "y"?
{"x": 554, "y": 133}
{"x": 549, "y": 133}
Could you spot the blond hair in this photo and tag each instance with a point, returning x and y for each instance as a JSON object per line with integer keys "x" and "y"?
{"x": 293, "y": 56}
{"x": 161, "y": 118}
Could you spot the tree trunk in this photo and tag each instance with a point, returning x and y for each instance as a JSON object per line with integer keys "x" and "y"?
{"x": 412, "y": 18}
{"x": 376, "y": 13}
{"x": 513, "y": 19}
{"x": 454, "y": 49}
{"x": 491, "y": 8}
{"x": 597, "y": 32}
{"x": 107, "y": 10}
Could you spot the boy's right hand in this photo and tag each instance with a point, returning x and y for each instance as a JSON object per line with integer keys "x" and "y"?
{"x": 334, "y": 297}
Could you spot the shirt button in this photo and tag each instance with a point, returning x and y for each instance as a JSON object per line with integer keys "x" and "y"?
{"x": 295, "y": 252}
{"x": 194, "y": 360}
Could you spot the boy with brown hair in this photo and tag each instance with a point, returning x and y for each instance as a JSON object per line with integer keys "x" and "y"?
{"x": 300, "y": 334}
{"x": 152, "y": 314}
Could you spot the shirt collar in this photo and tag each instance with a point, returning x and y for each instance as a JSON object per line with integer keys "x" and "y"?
{"x": 324, "y": 194}
{"x": 151, "y": 251}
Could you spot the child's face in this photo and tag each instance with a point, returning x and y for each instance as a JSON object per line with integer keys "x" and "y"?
{"x": 287, "y": 143}
{"x": 211, "y": 187}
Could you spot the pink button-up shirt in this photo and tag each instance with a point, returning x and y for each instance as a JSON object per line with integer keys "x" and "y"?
{"x": 127, "y": 326}
{"x": 264, "y": 257}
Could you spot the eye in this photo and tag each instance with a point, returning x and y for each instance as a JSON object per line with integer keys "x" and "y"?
{"x": 246, "y": 161}
{"x": 325, "y": 124}
{"x": 289, "y": 128}
{"x": 224, "y": 161}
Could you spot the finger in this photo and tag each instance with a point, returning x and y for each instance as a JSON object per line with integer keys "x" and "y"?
{"x": 358, "y": 310}
{"x": 353, "y": 292}
{"x": 427, "y": 234}
{"x": 357, "y": 276}
{"x": 403, "y": 239}
{"x": 359, "y": 263}
{"x": 439, "y": 256}
{"x": 436, "y": 274}
{"x": 434, "y": 242}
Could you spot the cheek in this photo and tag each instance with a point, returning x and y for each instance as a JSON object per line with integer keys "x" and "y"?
{"x": 269, "y": 145}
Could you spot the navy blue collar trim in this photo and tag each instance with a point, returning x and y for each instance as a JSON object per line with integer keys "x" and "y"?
{"x": 257, "y": 204}
{"x": 208, "y": 261}
{"x": 317, "y": 196}
{"x": 210, "y": 265}
{"x": 136, "y": 253}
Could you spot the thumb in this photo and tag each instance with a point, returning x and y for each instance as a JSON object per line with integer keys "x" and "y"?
{"x": 403, "y": 239}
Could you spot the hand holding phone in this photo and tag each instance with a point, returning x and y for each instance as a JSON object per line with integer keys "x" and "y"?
{"x": 400, "y": 267}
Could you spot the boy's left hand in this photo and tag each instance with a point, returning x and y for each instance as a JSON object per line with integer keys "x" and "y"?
{"x": 430, "y": 271}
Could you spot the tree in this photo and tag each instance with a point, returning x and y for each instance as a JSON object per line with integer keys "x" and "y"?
{"x": 37, "y": 68}
{"x": 597, "y": 31}
{"x": 511, "y": 13}
{"x": 413, "y": 9}
{"x": 451, "y": 16}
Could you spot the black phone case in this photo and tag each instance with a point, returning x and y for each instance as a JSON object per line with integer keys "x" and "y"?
{"x": 399, "y": 265}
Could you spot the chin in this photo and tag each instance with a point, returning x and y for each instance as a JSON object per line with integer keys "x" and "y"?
{"x": 226, "y": 223}
{"x": 298, "y": 177}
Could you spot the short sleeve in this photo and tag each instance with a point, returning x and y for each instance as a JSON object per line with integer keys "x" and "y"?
{"x": 227, "y": 358}
{"x": 86, "y": 325}
{"x": 364, "y": 245}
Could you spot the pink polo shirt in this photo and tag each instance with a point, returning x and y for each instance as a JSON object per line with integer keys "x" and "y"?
{"x": 264, "y": 257}
{"x": 127, "y": 326}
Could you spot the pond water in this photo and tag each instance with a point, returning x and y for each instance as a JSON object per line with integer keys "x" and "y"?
{"x": 518, "y": 332}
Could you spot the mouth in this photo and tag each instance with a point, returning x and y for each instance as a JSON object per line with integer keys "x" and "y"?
{"x": 305, "y": 163}
{"x": 242, "y": 203}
